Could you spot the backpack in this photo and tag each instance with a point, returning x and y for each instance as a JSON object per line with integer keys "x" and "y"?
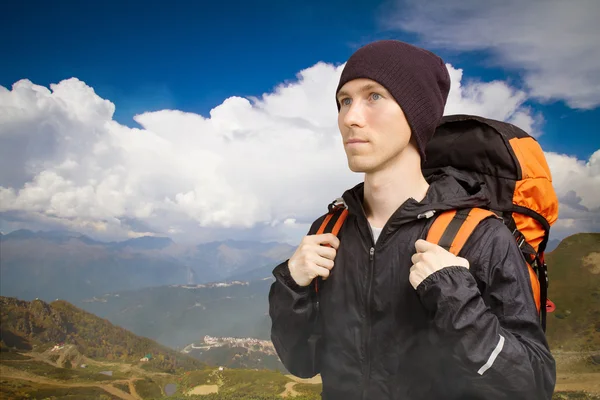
{"x": 513, "y": 167}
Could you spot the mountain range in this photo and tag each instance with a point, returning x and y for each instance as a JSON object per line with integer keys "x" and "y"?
{"x": 154, "y": 287}
{"x": 44, "y": 347}
{"x": 70, "y": 266}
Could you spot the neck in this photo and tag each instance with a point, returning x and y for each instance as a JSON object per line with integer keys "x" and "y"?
{"x": 385, "y": 190}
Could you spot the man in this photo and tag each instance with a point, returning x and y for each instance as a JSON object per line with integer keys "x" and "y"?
{"x": 402, "y": 318}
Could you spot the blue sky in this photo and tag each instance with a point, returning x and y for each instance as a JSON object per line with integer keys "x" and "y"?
{"x": 149, "y": 56}
{"x": 190, "y": 56}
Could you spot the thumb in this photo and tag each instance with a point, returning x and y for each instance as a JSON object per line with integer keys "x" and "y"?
{"x": 422, "y": 246}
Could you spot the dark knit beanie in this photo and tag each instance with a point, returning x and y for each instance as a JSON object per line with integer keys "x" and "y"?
{"x": 416, "y": 78}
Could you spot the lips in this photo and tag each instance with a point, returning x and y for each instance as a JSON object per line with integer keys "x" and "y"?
{"x": 355, "y": 141}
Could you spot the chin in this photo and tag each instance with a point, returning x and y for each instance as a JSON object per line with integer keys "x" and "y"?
{"x": 358, "y": 167}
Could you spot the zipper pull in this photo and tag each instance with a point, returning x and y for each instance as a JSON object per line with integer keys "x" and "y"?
{"x": 426, "y": 214}
{"x": 371, "y": 253}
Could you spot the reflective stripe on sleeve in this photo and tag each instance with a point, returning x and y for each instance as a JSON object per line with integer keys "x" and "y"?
{"x": 493, "y": 356}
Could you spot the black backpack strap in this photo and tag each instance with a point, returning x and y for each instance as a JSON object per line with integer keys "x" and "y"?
{"x": 537, "y": 263}
{"x": 547, "y": 305}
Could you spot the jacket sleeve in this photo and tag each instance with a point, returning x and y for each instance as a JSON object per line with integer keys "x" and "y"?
{"x": 494, "y": 333}
{"x": 293, "y": 318}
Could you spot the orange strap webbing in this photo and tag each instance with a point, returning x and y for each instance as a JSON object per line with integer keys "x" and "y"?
{"x": 332, "y": 224}
{"x": 451, "y": 229}
{"x": 333, "y": 221}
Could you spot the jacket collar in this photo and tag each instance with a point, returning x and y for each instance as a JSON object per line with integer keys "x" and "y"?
{"x": 448, "y": 189}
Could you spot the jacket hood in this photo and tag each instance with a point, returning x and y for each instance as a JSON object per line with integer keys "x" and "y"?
{"x": 448, "y": 189}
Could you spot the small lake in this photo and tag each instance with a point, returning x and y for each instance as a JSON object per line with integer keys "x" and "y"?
{"x": 170, "y": 389}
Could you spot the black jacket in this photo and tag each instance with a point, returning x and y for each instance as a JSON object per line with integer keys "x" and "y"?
{"x": 463, "y": 334}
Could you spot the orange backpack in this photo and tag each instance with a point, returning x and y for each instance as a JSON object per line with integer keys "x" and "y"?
{"x": 512, "y": 165}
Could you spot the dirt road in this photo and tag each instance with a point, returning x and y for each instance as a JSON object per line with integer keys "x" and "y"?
{"x": 589, "y": 382}
{"x": 313, "y": 381}
{"x": 289, "y": 390}
{"x": 10, "y": 373}
{"x": 132, "y": 390}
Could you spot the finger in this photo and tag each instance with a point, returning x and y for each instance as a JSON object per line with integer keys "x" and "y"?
{"x": 416, "y": 258}
{"x": 418, "y": 266}
{"x": 327, "y": 239}
{"x": 323, "y": 262}
{"x": 414, "y": 269}
{"x": 320, "y": 271}
{"x": 326, "y": 252}
{"x": 414, "y": 279}
{"x": 422, "y": 246}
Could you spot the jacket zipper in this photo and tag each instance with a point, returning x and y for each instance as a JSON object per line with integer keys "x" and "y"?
{"x": 367, "y": 375}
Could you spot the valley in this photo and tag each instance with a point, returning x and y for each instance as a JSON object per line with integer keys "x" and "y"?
{"x": 178, "y": 315}
{"x": 210, "y": 339}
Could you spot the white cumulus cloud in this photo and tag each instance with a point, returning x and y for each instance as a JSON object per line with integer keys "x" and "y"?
{"x": 577, "y": 185}
{"x": 261, "y": 168}
{"x": 555, "y": 42}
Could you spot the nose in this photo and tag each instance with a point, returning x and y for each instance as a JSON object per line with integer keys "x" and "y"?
{"x": 353, "y": 115}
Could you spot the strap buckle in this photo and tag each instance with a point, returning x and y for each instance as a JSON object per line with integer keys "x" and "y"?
{"x": 519, "y": 237}
{"x": 337, "y": 204}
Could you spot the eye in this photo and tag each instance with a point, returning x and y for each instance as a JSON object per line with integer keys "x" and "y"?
{"x": 345, "y": 101}
{"x": 375, "y": 96}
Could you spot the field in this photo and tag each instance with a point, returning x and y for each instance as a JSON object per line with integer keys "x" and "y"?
{"x": 32, "y": 375}
{"x": 36, "y": 376}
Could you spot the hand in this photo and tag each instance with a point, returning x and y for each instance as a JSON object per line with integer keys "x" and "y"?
{"x": 430, "y": 258}
{"x": 313, "y": 258}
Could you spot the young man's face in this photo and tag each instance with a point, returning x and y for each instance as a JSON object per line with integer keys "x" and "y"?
{"x": 372, "y": 124}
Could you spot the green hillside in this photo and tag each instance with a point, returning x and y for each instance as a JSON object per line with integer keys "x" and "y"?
{"x": 39, "y": 326}
{"x": 59, "y": 351}
{"x": 574, "y": 269}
